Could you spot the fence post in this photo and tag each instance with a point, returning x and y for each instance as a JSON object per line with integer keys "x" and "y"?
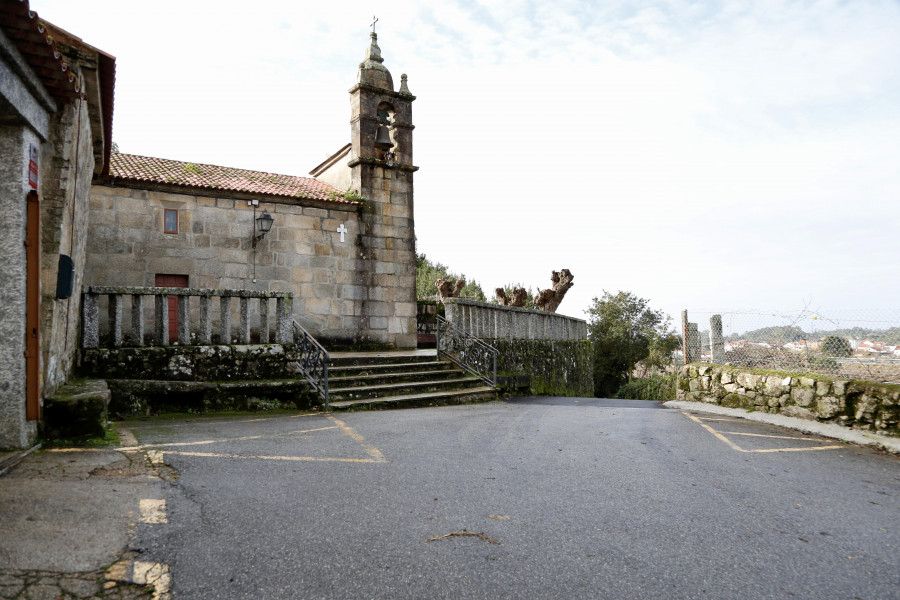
{"x": 716, "y": 341}
{"x": 694, "y": 346}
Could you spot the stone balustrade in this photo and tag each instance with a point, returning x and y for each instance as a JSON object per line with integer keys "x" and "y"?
{"x": 495, "y": 322}
{"x": 204, "y": 325}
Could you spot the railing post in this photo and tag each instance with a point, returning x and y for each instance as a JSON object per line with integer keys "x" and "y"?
{"x": 115, "y": 319}
{"x": 137, "y": 319}
{"x": 205, "y": 320}
{"x": 244, "y": 327}
{"x": 184, "y": 320}
{"x": 90, "y": 335}
{"x": 161, "y": 316}
{"x": 263, "y": 320}
{"x": 225, "y": 317}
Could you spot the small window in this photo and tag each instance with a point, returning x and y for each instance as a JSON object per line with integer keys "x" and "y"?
{"x": 171, "y": 224}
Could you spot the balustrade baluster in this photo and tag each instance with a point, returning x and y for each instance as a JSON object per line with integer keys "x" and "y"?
{"x": 91, "y": 325}
{"x": 115, "y": 319}
{"x": 205, "y": 320}
{"x": 161, "y": 315}
{"x": 263, "y": 320}
{"x": 225, "y": 318}
{"x": 137, "y": 319}
{"x": 184, "y": 320}
{"x": 244, "y": 327}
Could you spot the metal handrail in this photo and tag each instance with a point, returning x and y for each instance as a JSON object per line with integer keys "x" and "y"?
{"x": 470, "y": 353}
{"x": 313, "y": 360}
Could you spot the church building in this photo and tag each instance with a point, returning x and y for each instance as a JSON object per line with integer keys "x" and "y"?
{"x": 75, "y": 215}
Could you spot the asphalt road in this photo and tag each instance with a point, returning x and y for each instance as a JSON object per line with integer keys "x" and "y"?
{"x": 530, "y": 498}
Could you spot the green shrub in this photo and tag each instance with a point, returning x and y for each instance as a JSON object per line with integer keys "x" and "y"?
{"x": 660, "y": 387}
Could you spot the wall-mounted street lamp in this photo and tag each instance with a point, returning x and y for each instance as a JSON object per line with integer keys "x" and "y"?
{"x": 263, "y": 225}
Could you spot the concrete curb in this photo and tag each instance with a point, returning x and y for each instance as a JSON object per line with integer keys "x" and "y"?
{"x": 863, "y": 438}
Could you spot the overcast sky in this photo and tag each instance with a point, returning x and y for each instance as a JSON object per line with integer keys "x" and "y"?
{"x": 737, "y": 155}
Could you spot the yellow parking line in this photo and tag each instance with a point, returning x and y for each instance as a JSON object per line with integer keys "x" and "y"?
{"x": 763, "y": 450}
{"x": 371, "y": 450}
{"x": 715, "y": 433}
{"x": 781, "y": 437}
{"x": 262, "y": 457}
{"x": 234, "y": 439}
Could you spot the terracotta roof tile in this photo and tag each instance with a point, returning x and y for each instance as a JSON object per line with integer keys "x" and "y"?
{"x": 133, "y": 168}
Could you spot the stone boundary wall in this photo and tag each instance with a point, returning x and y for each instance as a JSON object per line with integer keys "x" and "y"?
{"x": 494, "y": 322}
{"x": 860, "y": 405}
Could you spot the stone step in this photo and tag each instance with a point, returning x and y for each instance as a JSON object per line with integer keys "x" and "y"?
{"x": 389, "y": 368}
{"x": 460, "y": 396}
{"x": 347, "y": 359}
{"x": 400, "y": 389}
{"x": 366, "y": 378}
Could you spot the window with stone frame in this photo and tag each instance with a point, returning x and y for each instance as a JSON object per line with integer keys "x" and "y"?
{"x": 170, "y": 222}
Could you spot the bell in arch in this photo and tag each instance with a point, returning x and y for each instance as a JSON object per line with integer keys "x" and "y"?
{"x": 383, "y": 138}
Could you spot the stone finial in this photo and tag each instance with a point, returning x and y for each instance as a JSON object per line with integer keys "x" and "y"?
{"x": 373, "y": 53}
{"x": 371, "y": 71}
{"x": 404, "y": 89}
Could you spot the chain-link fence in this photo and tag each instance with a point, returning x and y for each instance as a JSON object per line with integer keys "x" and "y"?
{"x": 853, "y": 344}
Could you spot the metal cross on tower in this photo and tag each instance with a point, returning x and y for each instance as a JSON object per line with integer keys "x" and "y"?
{"x": 374, "y": 20}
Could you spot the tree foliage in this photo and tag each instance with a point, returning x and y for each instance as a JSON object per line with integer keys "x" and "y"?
{"x": 834, "y": 345}
{"x": 427, "y": 273}
{"x": 624, "y": 330}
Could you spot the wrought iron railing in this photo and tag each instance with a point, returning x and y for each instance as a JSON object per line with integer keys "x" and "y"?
{"x": 470, "y": 353}
{"x": 312, "y": 359}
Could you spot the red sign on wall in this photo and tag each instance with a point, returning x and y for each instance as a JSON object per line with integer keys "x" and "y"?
{"x": 33, "y": 168}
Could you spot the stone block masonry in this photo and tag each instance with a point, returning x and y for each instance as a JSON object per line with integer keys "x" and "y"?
{"x": 302, "y": 254}
{"x": 861, "y": 405}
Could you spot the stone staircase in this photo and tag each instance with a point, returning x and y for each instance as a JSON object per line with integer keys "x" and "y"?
{"x": 400, "y": 378}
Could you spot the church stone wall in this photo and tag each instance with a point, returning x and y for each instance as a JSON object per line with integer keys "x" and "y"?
{"x": 303, "y": 253}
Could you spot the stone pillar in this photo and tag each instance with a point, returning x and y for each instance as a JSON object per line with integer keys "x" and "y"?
{"x": 693, "y": 353}
{"x": 283, "y": 326}
{"x": 716, "y": 341}
{"x": 137, "y": 319}
{"x": 90, "y": 334}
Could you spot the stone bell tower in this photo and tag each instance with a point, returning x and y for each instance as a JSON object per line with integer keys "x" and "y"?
{"x": 381, "y": 169}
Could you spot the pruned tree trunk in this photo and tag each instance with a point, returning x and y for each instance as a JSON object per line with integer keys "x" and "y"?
{"x": 549, "y": 300}
{"x": 446, "y": 289}
{"x": 515, "y": 298}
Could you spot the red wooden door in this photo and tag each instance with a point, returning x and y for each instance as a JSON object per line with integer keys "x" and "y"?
{"x": 177, "y": 281}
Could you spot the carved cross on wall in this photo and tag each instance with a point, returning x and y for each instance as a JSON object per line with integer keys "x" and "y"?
{"x": 374, "y": 20}
{"x": 342, "y": 230}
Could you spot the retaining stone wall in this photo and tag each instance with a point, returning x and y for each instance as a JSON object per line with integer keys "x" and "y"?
{"x": 861, "y": 405}
{"x": 191, "y": 363}
{"x": 555, "y": 368}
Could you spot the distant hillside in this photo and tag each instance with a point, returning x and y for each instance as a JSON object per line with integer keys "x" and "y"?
{"x": 785, "y": 334}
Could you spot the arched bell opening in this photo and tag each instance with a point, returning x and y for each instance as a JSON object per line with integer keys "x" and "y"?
{"x": 384, "y": 132}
